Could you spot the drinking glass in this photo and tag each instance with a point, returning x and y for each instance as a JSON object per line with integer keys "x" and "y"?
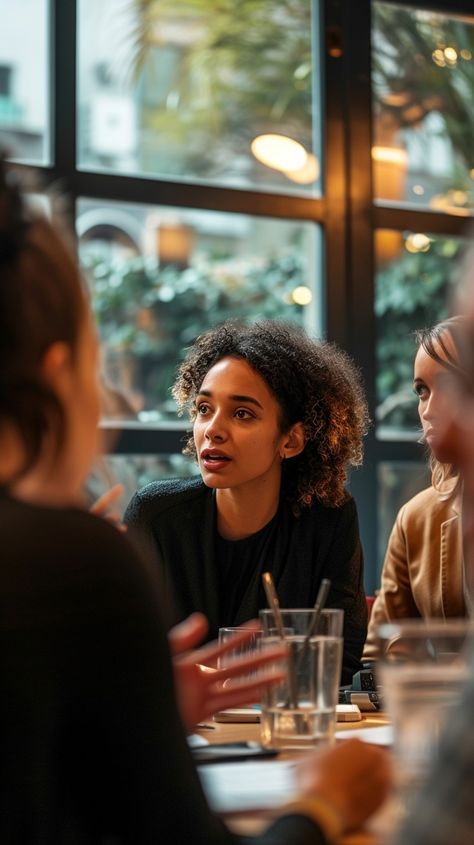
{"x": 300, "y": 712}
{"x": 241, "y": 650}
{"x": 422, "y": 669}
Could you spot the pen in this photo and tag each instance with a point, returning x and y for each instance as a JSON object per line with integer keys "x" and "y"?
{"x": 274, "y": 604}
{"x": 323, "y": 591}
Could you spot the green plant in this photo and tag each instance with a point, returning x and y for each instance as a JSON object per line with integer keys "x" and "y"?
{"x": 411, "y": 292}
{"x": 148, "y": 315}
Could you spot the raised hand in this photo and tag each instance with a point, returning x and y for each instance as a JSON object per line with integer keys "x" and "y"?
{"x": 201, "y": 688}
{"x": 103, "y": 503}
{"x": 353, "y": 778}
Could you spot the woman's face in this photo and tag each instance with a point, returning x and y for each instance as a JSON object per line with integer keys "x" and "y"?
{"x": 437, "y": 403}
{"x": 236, "y": 428}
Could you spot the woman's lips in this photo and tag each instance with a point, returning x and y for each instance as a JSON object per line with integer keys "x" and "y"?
{"x": 215, "y": 463}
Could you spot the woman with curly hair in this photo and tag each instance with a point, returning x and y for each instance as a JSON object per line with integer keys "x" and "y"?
{"x": 278, "y": 418}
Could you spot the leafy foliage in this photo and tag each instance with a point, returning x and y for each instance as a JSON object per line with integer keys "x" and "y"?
{"x": 242, "y": 70}
{"x": 412, "y": 292}
{"x": 403, "y": 65}
{"x": 148, "y": 314}
{"x": 248, "y": 67}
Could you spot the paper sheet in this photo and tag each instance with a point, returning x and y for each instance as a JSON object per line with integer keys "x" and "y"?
{"x": 382, "y": 735}
{"x": 234, "y": 787}
{"x": 196, "y": 741}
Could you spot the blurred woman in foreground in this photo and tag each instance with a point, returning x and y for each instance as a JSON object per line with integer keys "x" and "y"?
{"x": 93, "y": 748}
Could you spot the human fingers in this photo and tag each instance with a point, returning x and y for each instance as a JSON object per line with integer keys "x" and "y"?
{"x": 248, "y": 663}
{"x": 211, "y": 651}
{"x": 188, "y": 634}
{"x": 238, "y": 694}
{"x": 353, "y": 777}
{"x": 368, "y": 788}
{"x": 103, "y": 502}
{"x": 116, "y": 521}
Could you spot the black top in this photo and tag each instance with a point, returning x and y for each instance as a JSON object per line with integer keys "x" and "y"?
{"x": 91, "y": 746}
{"x": 236, "y": 565}
{"x": 174, "y": 523}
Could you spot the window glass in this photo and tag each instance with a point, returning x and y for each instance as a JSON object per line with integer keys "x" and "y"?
{"x": 182, "y": 89}
{"x": 414, "y": 272}
{"x": 24, "y": 85}
{"x": 423, "y": 71}
{"x": 161, "y": 276}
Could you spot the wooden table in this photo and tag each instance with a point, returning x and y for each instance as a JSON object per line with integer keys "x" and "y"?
{"x": 251, "y": 823}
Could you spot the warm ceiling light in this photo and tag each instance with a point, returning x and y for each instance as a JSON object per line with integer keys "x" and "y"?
{"x": 279, "y": 152}
{"x": 450, "y": 54}
{"x": 396, "y": 98}
{"x": 393, "y": 155}
{"x": 301, "y": 295}
{"x": 449, "y": 202}
{"x": 438, "y": 58}
{"x": 459, "y": 197}
{"x": 306, "y": 174}
{"x": 418, "y": 242}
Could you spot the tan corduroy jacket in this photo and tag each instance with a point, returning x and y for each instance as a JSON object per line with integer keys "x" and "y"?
{"x": 423, "y": 571}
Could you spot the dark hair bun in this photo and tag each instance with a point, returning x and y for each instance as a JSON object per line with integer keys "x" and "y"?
{"x": 12, "y": 214}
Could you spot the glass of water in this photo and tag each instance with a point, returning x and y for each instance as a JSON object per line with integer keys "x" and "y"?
{"x": 245, "y": 649}
{"x": 300, "y": 712}
{"x": 423, "y": 667}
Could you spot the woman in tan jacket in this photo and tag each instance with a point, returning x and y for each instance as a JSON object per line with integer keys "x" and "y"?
{"x": 423, "y": 573}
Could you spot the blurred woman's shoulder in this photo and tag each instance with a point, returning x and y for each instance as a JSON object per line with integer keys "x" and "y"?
{"x": 64, "y": 556}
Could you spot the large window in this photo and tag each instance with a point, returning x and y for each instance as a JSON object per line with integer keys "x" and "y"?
{"x": 309, "y": 160}
{"x": 423, "y": 76}
{"x": 192, "y": 90}
{"x": 423, "y": 186}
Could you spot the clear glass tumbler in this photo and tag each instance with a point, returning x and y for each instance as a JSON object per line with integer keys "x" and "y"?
{"x": 300, "y": 712}
{"x": 421, "y": 672}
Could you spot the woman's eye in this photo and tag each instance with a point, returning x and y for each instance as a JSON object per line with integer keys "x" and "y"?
{"x": 202, "y": 409}
{"x": 242, "y": 414}
{"x": 421, "y": 391}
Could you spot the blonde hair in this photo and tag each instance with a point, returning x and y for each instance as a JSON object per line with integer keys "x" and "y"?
{"x": 445, "y": 477}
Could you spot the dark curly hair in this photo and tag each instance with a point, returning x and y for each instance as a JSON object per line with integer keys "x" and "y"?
{"x": 314, "y": 383}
